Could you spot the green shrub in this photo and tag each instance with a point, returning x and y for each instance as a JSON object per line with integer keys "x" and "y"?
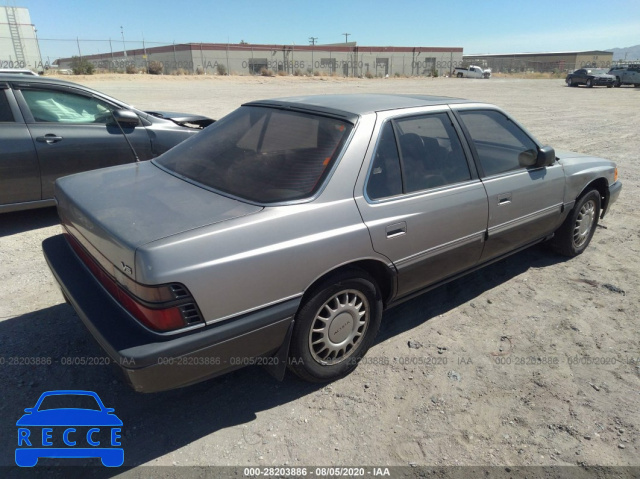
{"x": 80, "y": 66}
{"x": 155, "y": 68}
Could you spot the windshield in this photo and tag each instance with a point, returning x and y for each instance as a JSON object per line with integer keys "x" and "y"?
{"x": 261, "y": 154}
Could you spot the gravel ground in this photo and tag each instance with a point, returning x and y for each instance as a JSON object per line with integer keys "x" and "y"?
{"x": 534, "y": 360}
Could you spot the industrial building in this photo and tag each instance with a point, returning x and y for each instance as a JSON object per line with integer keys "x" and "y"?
{"x": 18, "y": 40}
{"x": 540, "y": 62}
{"x": 344, "y": 59}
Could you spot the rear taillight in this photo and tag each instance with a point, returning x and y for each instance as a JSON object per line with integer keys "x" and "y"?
{"x": 163, "y": 308}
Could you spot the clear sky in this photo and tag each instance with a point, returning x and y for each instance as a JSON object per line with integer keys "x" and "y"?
{"x": 482, "y": 26}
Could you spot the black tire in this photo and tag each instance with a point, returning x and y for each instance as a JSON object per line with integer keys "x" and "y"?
{"x": 328, "y": 340}
{"x": 636, "y": 85}
{"x": 609, "y": 86}
{"x": 589, "y": 83}
{"x": 575, "y": 234}
{"x": 570, "y": 82}
{"x": 459, "y": 75}
{"x": 617, "y": 83}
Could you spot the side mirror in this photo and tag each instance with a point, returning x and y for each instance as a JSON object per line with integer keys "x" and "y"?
{"x": 546, "y": 157}
{"x": 126, "y": 118}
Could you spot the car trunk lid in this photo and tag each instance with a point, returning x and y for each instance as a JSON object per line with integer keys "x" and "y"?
{"x": 114, "y": 211}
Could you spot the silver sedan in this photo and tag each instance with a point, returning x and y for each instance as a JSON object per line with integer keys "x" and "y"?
{"x": 278, "y": 235}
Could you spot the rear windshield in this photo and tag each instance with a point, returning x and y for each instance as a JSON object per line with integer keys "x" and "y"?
{"x": 265, "y": 155}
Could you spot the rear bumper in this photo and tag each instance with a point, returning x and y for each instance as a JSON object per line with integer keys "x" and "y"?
{"x": 153, "y": 361}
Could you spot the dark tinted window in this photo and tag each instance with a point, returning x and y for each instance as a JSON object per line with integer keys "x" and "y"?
{"x": 431, "y": 152}
{"x": 65, "y": 107}
{"x": 262, "y": 154}
{"x": 5, "y": 111}
{"x": 385, "y": 179}
{"x": 501, "y": 145}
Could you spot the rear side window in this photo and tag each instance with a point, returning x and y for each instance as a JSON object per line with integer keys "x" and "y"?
{"x": 502, "y": 146}
{"x": 262, "y": 154}
{"x": 385, "y": 179}
{"x": 415, "y": 154}
{"x": 5, "y": 110}
{"x": 431, "y": 152}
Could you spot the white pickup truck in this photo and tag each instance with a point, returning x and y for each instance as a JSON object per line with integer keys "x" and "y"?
{"x": 472, "y": 72}
{"x": 627, "y": 75}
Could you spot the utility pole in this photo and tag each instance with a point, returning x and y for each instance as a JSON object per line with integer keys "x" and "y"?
{"x": 124, "y": 46}
{"x": 346, "y": 37}
{"x": 312, "y": 41}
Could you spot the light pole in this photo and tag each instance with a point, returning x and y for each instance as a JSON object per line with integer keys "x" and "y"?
{"x": 124, "y": 46}
{"x": 312, "y": 41}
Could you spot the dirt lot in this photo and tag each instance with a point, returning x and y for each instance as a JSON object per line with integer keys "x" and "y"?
{"x": 534, "y": 360}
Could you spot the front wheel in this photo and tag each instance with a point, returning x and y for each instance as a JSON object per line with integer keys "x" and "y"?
{"x": 573, "y": 237}
{"x": 589, "y": 83}
{"x": 335, "y": 326}
{"x": 617, "y": 83}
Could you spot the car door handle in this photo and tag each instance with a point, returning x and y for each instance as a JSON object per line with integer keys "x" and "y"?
{"x": 504, "y": 199}
{"x": 49, "y": 138}
{"x": 397, "y": 229}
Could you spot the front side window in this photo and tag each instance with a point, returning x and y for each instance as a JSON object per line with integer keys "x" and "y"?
{"x": 262, "y": 154}
{"x": 65, "y": 107}
{"x": 502, "y": 146}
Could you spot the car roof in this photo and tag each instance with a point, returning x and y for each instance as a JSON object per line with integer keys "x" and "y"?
{"x": 18, "y": 71}
{"x": 35, "y": 80}
{"x": 351, "y": 106}
{"x": 12, "y": 77}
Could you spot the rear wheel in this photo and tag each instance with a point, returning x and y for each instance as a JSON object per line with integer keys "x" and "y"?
{"x": 335, "y": 326}
{"x": 459, "y": 75}
{"x": 573, "y": 237}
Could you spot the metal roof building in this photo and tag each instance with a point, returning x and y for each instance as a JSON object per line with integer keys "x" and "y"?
{"x": 346, "y": 59}
{"x": 541, "y": 62}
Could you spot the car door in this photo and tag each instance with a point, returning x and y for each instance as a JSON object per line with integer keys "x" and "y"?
{"x": 580, "y": 76}
{"x": 19, "y": 169}
{"x": 74, "y": 131}
{"x": 524, "y": 201}
{"x": 423, "y": 204}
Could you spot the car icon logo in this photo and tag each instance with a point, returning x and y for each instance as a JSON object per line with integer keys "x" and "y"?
{"x": 69, "y": 424}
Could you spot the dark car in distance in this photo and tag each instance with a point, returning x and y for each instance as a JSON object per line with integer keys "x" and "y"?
{"x": 590, "y": 77}
{"x": 52, "y": 128}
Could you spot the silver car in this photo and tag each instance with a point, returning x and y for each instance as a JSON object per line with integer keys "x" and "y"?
{"x": 278, "y": 235}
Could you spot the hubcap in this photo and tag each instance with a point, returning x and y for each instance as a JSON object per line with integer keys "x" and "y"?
{"x": 584, "y": 222}
{"x": 339, "y": 325}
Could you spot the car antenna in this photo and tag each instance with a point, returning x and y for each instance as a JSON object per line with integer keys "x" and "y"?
{"x": 135, "y": 155}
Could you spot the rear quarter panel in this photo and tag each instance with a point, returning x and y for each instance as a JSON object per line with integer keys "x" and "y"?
{"x": 248, "y": 263}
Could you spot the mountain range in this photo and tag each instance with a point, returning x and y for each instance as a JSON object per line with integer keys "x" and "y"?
{"x": 629, "y": 53}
